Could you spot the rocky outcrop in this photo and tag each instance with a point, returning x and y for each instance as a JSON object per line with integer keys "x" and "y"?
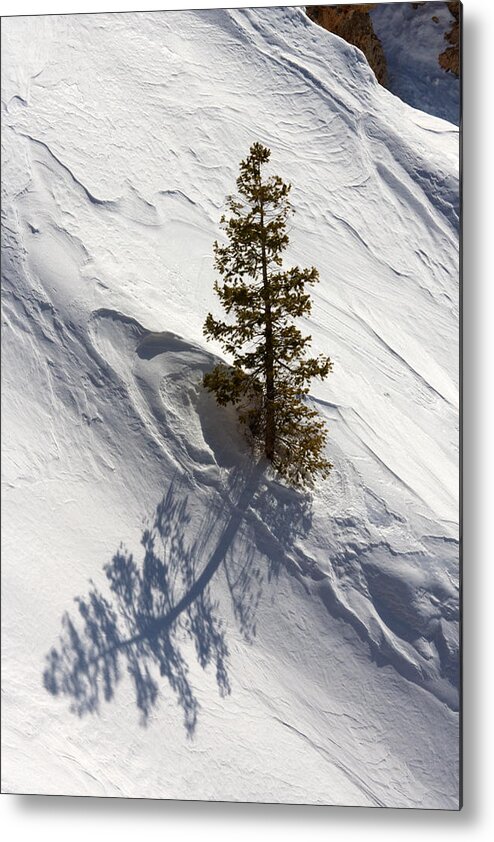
{"x": 449, "y": 60}
{"x": 354, "y": 24}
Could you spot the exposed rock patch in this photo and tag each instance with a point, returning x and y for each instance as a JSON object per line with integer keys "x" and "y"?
{"x": 354, "y": 24}
{"x": 413, "y": 48}
{"x": 449, "y": 60}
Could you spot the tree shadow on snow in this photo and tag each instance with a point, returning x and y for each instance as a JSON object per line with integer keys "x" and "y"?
{"x": 153, "y": 607}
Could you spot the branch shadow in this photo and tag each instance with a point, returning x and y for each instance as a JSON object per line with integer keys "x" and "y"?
{"x": 281, "y": 516}
{"x": 152, "y": 608}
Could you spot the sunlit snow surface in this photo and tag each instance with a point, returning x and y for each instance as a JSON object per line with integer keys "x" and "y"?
{"x": 332, "y": 619}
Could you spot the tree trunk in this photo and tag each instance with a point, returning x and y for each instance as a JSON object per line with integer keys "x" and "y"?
{"x": 270, "y": 432}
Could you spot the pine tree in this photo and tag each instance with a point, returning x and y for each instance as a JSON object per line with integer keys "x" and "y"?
{"x": 271, "y": 373}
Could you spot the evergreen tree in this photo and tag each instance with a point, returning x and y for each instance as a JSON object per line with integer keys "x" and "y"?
{"x": 271, "y": 373}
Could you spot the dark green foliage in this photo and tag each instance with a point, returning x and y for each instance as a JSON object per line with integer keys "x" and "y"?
{"x": 271, "y": 373}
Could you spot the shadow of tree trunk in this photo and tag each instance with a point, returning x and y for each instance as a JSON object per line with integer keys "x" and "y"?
{"x": 154, "y": 607}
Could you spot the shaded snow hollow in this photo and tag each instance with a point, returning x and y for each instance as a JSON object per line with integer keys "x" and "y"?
{"x": 316, "y": 655}
{"x": 413, "y": 36}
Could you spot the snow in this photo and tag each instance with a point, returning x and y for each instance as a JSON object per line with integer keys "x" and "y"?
{"x": 413, "y": 38}
{"x": 338, "y": 611}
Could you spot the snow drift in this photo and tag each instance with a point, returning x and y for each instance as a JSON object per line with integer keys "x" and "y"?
{"x": 232, "y": 638}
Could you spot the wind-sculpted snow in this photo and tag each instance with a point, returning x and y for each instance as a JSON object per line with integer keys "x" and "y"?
{"x": 223, "y": 622}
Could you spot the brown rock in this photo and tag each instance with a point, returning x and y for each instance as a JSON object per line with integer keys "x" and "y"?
{"x": 449, "y": 59}
{"x": 354, "y": 24}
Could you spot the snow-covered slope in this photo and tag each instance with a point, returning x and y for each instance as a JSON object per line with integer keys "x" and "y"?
{"x": 314, "y": 658}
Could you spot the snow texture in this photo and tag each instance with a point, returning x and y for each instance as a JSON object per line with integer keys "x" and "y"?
{"x": 233, "y": 639}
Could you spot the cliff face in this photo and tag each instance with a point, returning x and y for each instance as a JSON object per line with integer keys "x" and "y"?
{"x": 353, "y": 23}
{"x": 413, "y": 48}
{"x": 449, "y": 60}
